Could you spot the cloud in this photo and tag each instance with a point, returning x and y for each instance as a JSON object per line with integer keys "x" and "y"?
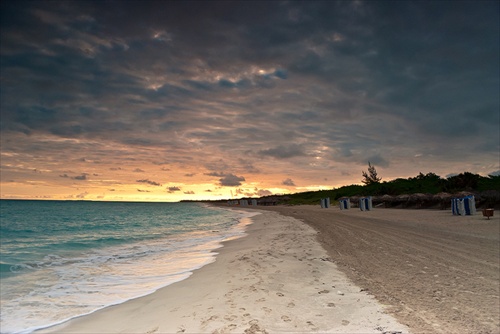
{"x": 153, "y": 183}
{"x": 248, "y": 166}
{"x": 227, "y": 179}
{"x": 82, "y": 195}
{"x": 173, "y": 189}
{"x": 284, "y": 151}
{"x": 263, "y": 192}
{"x": 189, "y": 192}
{"x": 288, "y": 182}
{"x": 377, "y": 160}
{"x": 231, "y": 180}
{"x": 138, "y": 170}
{"x": 82, "y": 177}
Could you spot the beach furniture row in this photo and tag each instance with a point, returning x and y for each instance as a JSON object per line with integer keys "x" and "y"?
{"x": 243, "y": 202}
{"x": 460, "y": 206}
{"x": 365, "y": 204}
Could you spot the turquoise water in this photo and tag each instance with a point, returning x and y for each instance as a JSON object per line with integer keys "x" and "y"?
{"x": 62, "y": 259}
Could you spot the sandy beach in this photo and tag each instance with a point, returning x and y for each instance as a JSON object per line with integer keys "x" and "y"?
{"x": 438, "y": 273}
{"x": 277, "y": 279}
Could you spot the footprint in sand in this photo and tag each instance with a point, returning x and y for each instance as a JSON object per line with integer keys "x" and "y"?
{"x": 212, "y": 318}
{"x": 279, "y": 294}
{"x": 324, "y": 291}
{"x": 225, "y": 329}
{"x": 313, "y": 326}
{"x": 286, "y": 318}
{"x": 345, "y": 322}
{"x": 267, "y": 310}
{"x": 261, "y": 300}
{"x": 154, "y": 330}
{"x": 255, "y": 329}
{"x": 291, "y": 304}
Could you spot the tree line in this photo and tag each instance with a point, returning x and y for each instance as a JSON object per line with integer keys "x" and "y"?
{"x": 429, "y": 183}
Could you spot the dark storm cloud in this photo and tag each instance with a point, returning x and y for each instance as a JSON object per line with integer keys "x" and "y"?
{"x": 192, "y": 82}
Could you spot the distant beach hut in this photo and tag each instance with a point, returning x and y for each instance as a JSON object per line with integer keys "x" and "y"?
{"x": 254, "y": 202}
{"x": 325, "y": 203}
{"x": 243, "y": 202}
{"x": 365, "y": 203}
{"x": 345, "y": 204}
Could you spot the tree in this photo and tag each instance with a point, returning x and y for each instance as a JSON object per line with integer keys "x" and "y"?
{"x": 370, "y": 177}
{"x": 464, "y": 181}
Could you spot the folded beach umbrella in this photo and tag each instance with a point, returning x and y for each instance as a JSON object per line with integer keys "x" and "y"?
{"x": 365, "y": 203}
{"x": 469, "y": 205}
{"x": 345, "y": 204}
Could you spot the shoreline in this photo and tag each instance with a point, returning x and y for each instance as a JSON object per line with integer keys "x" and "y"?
{"x": 277, "y": 278}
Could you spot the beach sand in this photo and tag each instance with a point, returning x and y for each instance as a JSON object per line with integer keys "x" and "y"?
{"x": 277, "y": 279}
{"x": 438, "y": 273}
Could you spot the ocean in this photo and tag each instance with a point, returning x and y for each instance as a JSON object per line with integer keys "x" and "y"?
{"x": 64, "y": 259}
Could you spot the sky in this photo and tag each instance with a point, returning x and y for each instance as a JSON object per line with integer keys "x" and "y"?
{"x": 184, "y": 100}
